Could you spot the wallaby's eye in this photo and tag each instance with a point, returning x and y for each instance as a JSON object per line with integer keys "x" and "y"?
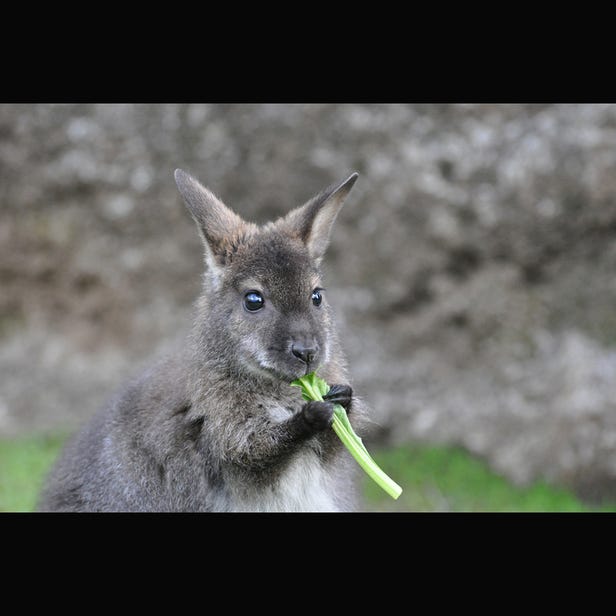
{"x": 316, "y": 297}
{"x": 253, "y": 301}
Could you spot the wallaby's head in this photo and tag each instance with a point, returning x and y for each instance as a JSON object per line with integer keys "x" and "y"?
{"x": 265, "y": 302}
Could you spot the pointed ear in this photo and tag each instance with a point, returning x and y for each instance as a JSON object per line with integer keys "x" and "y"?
{"x": 313, "y": 221}
{"x": 218, "y": 226}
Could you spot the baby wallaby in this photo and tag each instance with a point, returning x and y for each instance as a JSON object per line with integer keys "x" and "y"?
{"x": 217, "y": 426}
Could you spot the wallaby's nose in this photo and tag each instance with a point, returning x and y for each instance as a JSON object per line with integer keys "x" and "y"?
{"x": 304, "y": 352}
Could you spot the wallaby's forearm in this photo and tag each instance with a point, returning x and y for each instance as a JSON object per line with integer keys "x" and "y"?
{"x": 269, "y": 443}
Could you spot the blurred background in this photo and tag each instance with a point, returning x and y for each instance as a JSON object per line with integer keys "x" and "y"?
{"x": 472, "y": 272}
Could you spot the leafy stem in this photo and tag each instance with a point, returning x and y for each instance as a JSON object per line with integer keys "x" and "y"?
{"x": 314, "y": 388}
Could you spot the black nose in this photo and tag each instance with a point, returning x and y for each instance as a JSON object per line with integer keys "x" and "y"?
{"x": 305, "y": 353}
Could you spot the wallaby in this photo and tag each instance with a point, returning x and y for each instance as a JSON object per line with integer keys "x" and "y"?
{"x": 217, "y": 426}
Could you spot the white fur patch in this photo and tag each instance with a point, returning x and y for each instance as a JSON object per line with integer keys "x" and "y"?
{"x": 253, "y": 347}
{"x": 279, "y": 413}
{"x": 304, "y": 486}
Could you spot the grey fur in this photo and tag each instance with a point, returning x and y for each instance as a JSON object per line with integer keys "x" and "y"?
{"x": 216, "y": 426}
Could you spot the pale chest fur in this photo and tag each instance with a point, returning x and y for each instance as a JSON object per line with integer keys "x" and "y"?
{"x": 304, "y": 486}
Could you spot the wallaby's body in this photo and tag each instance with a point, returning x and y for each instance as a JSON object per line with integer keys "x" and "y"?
{"x": 216, "y": 426}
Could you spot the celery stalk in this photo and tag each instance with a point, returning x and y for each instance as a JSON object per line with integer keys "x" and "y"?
{"x": 314, "y": 388}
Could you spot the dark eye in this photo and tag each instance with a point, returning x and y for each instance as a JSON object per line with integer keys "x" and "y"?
{"x": 316, "y": 297}
{"x": 253, "y": 301}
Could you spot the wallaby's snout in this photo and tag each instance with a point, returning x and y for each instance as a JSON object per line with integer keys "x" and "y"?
{"x": 305, "y": 351}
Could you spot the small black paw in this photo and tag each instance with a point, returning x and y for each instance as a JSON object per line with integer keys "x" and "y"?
{"x": 318, "y": 415}
{"x": 340, "y": 394}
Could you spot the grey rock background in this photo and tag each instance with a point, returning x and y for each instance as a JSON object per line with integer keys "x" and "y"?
{"x": 472, "y": 270}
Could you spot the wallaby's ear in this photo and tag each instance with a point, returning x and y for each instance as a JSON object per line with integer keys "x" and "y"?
{"x": 312, "y": 222}
{"x": 218, "y": 225}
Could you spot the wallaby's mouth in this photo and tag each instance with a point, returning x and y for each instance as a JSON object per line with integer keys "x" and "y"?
{"x": 274, "y": 369}
{"x": 282, "y": 362}
{"x": 286, "y": 374}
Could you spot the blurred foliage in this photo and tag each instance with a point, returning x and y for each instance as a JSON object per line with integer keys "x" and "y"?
{"x": 24, "y": 463}
{"x": 436, "y": 478}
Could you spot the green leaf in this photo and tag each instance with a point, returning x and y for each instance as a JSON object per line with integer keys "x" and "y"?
{"x": 313, "y": 387}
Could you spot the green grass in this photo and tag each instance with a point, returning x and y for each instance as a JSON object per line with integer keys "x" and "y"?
{"x": 24, "y": 463}
{"x": 433, "y": 478}
{"x": 436, "y": 478}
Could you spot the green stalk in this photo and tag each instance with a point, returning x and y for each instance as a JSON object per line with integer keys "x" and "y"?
{"x": 363, "y": 458}
{"x": 314, "y": 388}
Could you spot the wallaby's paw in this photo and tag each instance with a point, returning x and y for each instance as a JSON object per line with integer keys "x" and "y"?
{"x": 318, "y": 415}
{"x": 340, "y": 394}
